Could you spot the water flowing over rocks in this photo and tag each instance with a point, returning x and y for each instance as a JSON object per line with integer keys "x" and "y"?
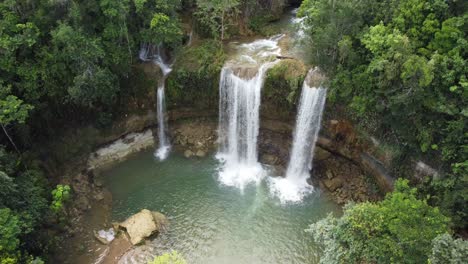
{"x": 294, "y": 186}
{"x": 158, "y": 56}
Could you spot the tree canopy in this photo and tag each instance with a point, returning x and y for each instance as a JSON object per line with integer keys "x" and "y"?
{"x": 398, "y": 229}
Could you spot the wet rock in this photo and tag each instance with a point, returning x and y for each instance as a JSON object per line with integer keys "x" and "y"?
{"x": 201, "y": 153}
{"x": 269, "y": 159}
{"x": 160, "y": 220}
{"x": 188, "y": 153}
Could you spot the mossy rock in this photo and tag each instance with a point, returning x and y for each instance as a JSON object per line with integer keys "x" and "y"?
{"x": 195, "y": 78}
{"x": 282, "y": 88}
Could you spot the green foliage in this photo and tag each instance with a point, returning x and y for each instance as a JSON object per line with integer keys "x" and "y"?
{"x": 23, "y": 206}
{"x": 398, "y": 229}
{"x": 446, "y": 250}
{"x": 9, "y": 231}
{"x": 451, "y": 193}
{"x": 172, "y": 257}
{"x": 13, "y": 109}
{"x": 401, "y": 66}
{"x": 165, "y": 29}
{"x": 60, "y": 195}
{"x": 63, "y": 65}
{"x": 195, "y": 79}
{"x": 282, "y": 86}
{"x": 217, "y": 15}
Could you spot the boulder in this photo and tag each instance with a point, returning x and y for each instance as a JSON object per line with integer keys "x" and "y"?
{"x": 188, "y": 153}
{"x": 200, "y": 153}
{"x": 160, "y": 220}
{"x": 143, "y": 224}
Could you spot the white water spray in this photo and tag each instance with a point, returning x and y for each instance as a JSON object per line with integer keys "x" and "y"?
{"x": 239, "y": 112}
{"x": 150, "y": 53}
{"x": 294, "y": 187}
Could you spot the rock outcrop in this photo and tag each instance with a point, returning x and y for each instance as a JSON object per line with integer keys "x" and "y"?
{"x": 121, "y": 149}
{"x": 195, "y": 138}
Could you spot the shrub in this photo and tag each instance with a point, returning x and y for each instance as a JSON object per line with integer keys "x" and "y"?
{"x": 446, "y": 250}
{"x": 398, "y": 229}
{"x": 60, "y": 195}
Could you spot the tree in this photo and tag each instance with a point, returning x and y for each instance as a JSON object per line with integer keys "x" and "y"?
{"x": 158, "y": 21}
{"x": 398, "y": 229}
{"x": 400, "y": 67}
{"x": 446, "y": 250}
{"x": 89, "y": 82}
{"x": 217, "y": 15}
{"x": 9, "y": 236}
{"x": 12, "y": 110}
{"x": 165, "y": 30}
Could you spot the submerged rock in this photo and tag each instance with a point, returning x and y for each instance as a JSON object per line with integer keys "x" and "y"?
{"x": 144, "y": 224}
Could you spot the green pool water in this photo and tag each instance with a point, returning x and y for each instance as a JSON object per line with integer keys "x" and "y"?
{"x": 212, "y": 223}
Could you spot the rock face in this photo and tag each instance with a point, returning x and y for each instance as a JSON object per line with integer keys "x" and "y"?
{"x": 120, "y": 149}
{"x": 196, "y": 138}
{"x": 143, "y": 224}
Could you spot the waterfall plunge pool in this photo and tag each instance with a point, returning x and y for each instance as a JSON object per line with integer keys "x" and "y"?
{"x": 210, "y": 222}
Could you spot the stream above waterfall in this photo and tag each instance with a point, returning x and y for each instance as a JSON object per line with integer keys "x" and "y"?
{"x": 210, "y": 222}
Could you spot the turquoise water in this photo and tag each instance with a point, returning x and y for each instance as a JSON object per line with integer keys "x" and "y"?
{"x": 212, "y": 223}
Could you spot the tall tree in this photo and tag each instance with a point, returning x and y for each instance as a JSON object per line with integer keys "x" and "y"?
{"x": 217, "y": 15}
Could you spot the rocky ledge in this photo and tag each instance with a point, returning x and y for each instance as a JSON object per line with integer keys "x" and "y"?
{"x": 120, "y": 149}
{"x": 123, "y": 237}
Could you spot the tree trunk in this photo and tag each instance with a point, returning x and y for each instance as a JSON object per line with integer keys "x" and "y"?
{"x": 11, "y": 140}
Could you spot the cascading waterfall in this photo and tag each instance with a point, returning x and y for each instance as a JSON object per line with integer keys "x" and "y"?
{"x": 299, "y": 25}
{"x": 239, "y": 112}
{"x": 294, "y": 186}
{"x": 150, "y": 53}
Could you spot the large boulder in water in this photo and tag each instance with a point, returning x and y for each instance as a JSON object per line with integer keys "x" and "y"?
{"x": 143, "y": 224}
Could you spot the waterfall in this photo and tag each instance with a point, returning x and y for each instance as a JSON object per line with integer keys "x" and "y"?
{"x": 239, "y": 112}
{"x": 153, "y": 54}
{"x": 294, "y": 186}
